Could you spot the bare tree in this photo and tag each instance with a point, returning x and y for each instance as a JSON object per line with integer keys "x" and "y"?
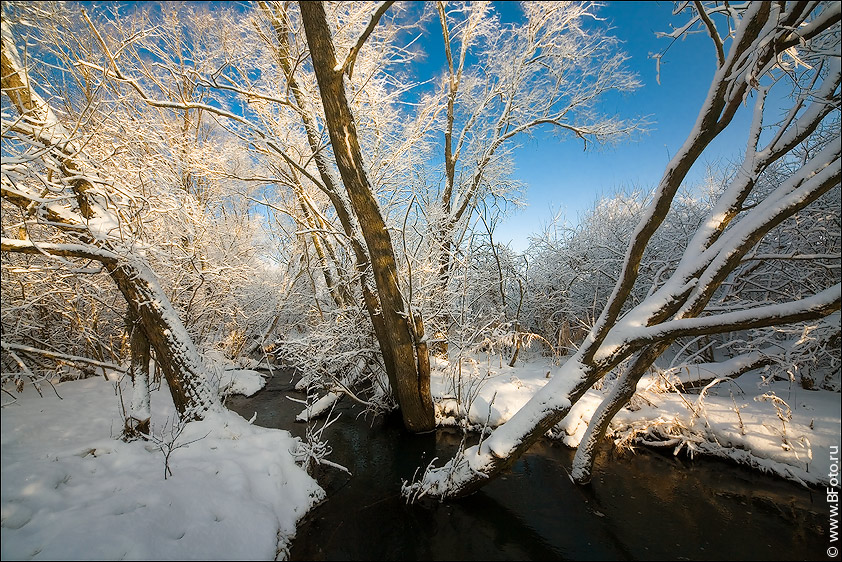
{"x": 765, "y": 44}
{"x": 549, "y": 72}
{"x": 249, "y": 122}
{"x": 70, "y": 208}
{"x": 273, "y": 107}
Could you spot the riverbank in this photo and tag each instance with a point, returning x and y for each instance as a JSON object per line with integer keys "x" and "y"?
{"x": 71, "y": 490}
{"x": 770, "y": 425}
{"x": 648, "y": 505}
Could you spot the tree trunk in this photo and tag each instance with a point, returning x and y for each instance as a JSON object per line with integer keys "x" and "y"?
{"x": 623, "y": 390}
{"x": 192, "y": 392}
{"x": 343, "y": 212}
{"x": 477, "y": 465}
{"x": 410, "y": 363}
{"x": 138, "y": 420}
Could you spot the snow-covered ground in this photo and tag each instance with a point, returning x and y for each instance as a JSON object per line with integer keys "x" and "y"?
{"x": 72, "y": 490}
{"x": 746, "y": 420}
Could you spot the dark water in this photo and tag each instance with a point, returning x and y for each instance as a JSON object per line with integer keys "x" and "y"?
{"x": 644, "y": 506}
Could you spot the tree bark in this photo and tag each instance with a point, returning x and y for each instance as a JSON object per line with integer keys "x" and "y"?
{"x": 623, "y": 390}
{"x": 186, "y": 376}
{"x": 410, "y": 363}
{"x": 340, "y": 204}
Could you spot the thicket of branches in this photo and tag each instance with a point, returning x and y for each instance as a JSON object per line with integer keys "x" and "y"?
{"x": 174, "y": 170}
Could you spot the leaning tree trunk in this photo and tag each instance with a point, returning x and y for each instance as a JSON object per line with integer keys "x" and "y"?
{"x": 175, "y": 354}
{"x": 410, "y": 363}
{"x": 343, "y": 211}
{"x": 621, "y": 394}
{"x": 676, "y": 308}
{"x": 192, "y": 392}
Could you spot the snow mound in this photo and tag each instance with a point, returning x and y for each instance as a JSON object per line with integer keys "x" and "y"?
{"x": 72, "y": 490}
{"x": 770, "y": 425}
{"x": 241, "y": 381}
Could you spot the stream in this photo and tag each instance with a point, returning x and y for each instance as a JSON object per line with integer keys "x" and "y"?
{"x": 647, "y": 505}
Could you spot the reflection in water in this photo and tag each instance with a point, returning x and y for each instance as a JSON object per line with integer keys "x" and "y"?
{"x": 643, "y": 506}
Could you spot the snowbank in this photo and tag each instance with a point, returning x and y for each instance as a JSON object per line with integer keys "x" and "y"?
{"x": 72, "y": 490}
{"x": 773, "y": 426}
{"x": 241, "y": 381}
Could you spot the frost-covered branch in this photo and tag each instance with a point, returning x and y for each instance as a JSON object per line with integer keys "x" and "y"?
{"x": 348, "y": 65}
{"x": 61, "y": 357}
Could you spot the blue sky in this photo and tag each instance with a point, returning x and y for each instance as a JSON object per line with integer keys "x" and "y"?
{"x": 561, "y": 177}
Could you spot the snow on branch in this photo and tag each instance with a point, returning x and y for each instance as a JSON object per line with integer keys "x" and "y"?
{"x": 84, "y": 251}
{"x": 810, "y": 308}
{"x": 798, "y": 167}
{"x": 348, "y": 65}
{"x": 61, "y": 357}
